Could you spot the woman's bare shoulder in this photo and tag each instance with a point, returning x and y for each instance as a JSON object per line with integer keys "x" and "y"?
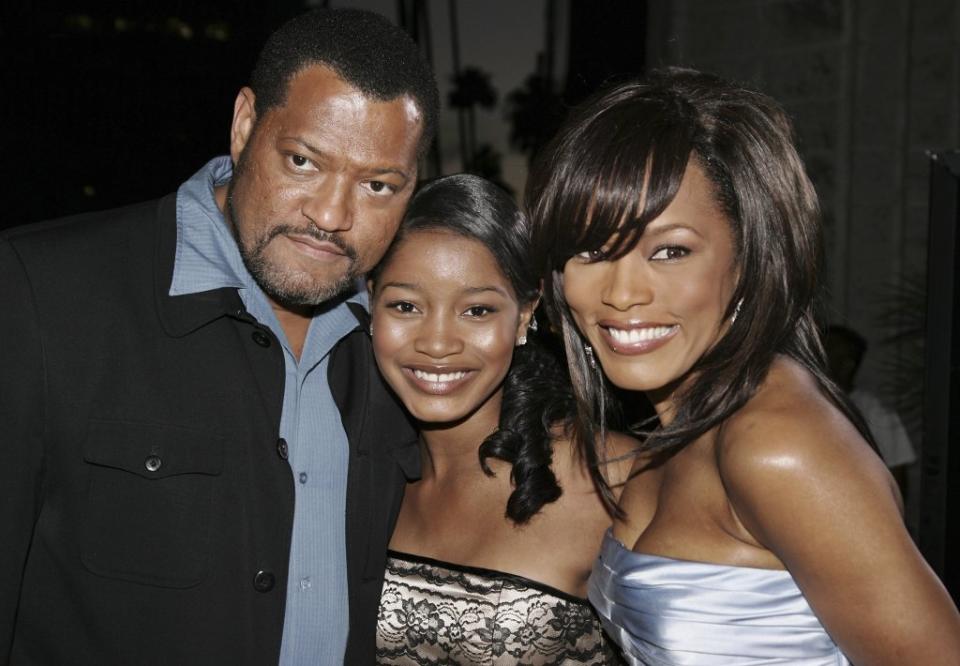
{"x": 789, "y": 409}
{"x": 790, "y": 437}
{"x": 808, "y": 488}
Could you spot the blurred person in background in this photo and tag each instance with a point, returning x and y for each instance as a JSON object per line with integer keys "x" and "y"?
{"x": 845, "y": 350}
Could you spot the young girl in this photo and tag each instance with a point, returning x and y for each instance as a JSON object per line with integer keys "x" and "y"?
{"x": 494, "y": 544}
{"x": 679, "y": 234}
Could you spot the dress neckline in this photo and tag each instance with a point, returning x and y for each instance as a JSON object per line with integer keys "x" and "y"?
{"x": 608, "y": 536}
{"x": 490, "y": 574}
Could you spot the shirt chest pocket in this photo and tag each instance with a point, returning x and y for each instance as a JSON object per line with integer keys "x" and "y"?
{"x": 149, "y": 502}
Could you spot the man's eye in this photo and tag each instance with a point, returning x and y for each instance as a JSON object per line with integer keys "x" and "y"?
{"x": 670, "y": 252}
{"x": 299, "y": 160}
{"x": 380, "y": 187}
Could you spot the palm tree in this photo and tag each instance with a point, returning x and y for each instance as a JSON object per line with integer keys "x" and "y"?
{"x": 471, "y": 89}
{"x": 536, "y": 109}
{"x": 415, "y": 19}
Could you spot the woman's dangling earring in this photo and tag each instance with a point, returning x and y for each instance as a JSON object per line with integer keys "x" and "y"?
{"x": 370, "y": 329}
{"x": 533, "y": 324}
{"x": 601, "y": 405}
{"x": 588, "y": 350}
{"x": 736, "y": 311}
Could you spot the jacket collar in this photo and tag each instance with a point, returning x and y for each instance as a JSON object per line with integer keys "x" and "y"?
{"x": 181, "y": 315}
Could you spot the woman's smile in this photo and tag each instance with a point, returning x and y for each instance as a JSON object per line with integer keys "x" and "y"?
{"x": 438, "y": 381}
{"x": 445, "y": 322}
{"x": 626, "y": 338}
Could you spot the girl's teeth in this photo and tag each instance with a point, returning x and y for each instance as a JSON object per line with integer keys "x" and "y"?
{"x": 635, "y": 335}
{"x": 435, "y": 378}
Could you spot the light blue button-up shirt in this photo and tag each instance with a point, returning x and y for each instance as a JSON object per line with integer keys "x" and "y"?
{"x": 316, "y": 621}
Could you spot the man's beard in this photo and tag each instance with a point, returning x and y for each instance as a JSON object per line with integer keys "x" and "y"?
{"x": 279, "y": 282}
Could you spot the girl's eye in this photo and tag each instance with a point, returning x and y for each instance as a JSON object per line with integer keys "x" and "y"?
{"x": 670, "y": 253}
{"x": 403, "y": 307}
{"x": 299, "y": 161}
{"x": 477, "y": 311}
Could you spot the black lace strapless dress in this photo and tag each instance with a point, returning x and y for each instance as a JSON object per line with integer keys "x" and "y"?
{"x": 434, "y": 612}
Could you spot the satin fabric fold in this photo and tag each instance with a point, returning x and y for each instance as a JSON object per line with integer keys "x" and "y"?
{"x": 668, "y": 612}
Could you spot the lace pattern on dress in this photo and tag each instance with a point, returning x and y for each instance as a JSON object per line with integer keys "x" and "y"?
{"x": 441, "y": 613}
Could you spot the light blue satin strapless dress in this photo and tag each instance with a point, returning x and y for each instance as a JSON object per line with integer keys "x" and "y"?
{"x": 668, "y": 612}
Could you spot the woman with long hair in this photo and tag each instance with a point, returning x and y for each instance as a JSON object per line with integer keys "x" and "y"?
{"x": 493, "y": 545}
{"x": 679, "y": 236}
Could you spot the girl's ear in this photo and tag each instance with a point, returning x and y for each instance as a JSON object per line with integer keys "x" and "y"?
{"x": 526, "y": 320}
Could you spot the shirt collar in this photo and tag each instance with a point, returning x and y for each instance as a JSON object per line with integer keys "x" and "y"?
{"x": 206, "y": 257}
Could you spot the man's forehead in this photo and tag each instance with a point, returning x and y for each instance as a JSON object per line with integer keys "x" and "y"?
{"x": 328, "y": 80}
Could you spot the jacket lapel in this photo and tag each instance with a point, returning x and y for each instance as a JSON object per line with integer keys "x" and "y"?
{"x": 182, "y": 315}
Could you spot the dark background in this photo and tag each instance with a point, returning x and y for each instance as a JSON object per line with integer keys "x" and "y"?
{"x": 106, "y": 103}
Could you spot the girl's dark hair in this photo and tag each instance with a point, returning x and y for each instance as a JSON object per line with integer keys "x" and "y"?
{"x": 536, "y": 391}
{"x": 638, "y": 138}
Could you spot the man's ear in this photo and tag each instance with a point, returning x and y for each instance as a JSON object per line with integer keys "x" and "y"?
{"x": 244, "y": 118}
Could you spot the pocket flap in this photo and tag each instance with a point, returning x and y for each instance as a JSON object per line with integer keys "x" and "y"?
{"x": 153, "y": 451}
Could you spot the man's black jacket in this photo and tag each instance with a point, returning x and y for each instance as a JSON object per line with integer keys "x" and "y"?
{"x": 145, "y": 504}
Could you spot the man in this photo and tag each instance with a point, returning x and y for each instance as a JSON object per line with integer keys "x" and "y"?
{"x": 198, "y": 463}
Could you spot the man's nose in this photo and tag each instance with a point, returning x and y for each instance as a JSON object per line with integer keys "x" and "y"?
{"x": 329, "y": 205}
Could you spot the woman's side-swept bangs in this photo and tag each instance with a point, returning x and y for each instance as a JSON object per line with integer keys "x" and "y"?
{"x": 605, "y": 176}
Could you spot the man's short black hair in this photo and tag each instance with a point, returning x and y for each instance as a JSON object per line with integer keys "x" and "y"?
{"x": 363, "y": 48}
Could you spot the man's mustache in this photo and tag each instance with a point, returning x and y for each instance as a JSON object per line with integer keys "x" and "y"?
{"x": 312, "y": 232}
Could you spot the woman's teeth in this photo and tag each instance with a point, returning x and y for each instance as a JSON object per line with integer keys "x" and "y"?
{"x": 635, "y": 335}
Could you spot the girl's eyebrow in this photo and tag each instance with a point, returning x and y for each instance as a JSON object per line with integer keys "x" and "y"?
{"x": 469, "y": 290}
{"x": 401, "y": 285}
{"x": 477, "y": 290}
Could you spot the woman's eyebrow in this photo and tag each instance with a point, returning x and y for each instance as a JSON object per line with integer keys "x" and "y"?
{"x": 653, "y": 229}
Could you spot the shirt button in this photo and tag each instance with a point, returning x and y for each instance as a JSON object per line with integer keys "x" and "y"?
{"x": 152, "y": 463}
{"x": 303, "y": 477}
{"x": 282, "y": 449}
{"x": 306, "y": 583}
{"x": 264, "y": 581}
{"x": 261, "y": 338}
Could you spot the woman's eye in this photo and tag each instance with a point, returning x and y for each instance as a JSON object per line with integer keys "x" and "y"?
{"x": 669, "y": 253}
{"x": 299, "y": 161}
{"x": 592, "y": 255}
